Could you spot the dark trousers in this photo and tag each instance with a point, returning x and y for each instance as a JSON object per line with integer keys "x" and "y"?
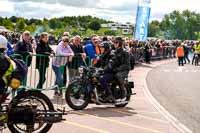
{"x": 186, "y": 58}
{"x": 180, "y": 61}
{"x": 42, "y": 78}
{"x": 194, "y": 58}
{"x": 105, "y": 80}
{"x": 147, "y": 57}
{"x": 121, "y": 76}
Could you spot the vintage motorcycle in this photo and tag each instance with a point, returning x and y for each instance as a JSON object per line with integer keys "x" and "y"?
{"x": 86, "y": 89}
{"x": 29, "y": 111}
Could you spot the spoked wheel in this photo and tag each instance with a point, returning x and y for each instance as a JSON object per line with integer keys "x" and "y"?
{"x": 126, "y": 100}
{"x": 76, "y": 96}
{"x": 31, "y": 100}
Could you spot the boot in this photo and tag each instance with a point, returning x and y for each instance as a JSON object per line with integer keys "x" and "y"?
{"x": 109, "y": 97}
{"x": 60, "y": 93}
{"x": 55, "y": 92}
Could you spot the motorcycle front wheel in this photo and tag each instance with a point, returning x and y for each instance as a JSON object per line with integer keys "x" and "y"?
{"x": 76, "y": 96}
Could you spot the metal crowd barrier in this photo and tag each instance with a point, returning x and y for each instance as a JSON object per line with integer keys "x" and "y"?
{"x": 16, "y": 56}
{"x": 32, "y": 78}
{"x": 138, "y": 54}
{"x": 156, "y": 53}
{"x": 39, "y": 61}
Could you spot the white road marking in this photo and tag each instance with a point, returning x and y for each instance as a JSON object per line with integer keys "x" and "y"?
{"x": 181, "y": 69}
{"x": 167, "y": 70}
{"x": 194, "y": 71}
{"x": 187, "y": 71}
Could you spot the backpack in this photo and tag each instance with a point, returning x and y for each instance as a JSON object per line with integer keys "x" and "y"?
{"x": 21, "y": 70}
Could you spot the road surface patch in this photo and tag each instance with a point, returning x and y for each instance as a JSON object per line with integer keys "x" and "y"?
{"x": 86, "y": 127}
{"x": 119, "y": 122}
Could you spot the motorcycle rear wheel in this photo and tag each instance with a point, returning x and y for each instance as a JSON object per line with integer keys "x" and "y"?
{"x": 128, "y": 97}
{"x": 27, "y": 99}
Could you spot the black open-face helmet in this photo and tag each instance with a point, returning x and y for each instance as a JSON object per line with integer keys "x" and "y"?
{"x": 105, "y": 45}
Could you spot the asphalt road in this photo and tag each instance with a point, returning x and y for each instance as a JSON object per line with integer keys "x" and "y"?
{"x": 139, "y": 116}
{"x": 177, "y": 89}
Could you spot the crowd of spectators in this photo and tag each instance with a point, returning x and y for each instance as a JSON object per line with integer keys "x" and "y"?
{"x": 74, "y": 50}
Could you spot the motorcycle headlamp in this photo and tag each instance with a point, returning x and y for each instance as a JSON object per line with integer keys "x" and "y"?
{"x": 80, "y": 70}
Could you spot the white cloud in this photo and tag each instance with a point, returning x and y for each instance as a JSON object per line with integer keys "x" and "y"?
{"x": 166, "y": 6}
{"x": 115, "y": 10}
{"x": 6, "y": 6}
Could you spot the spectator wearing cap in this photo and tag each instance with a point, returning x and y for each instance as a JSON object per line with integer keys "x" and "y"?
{"x": 42, "y": 62}
{"x": 92, "y": 49}
{"x": 64, "y": 55}
{"x": 24, "y": 48}
{"x": 79, "y": 55}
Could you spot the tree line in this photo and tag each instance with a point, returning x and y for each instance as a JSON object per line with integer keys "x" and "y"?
{"x": 175, "y": 25}
{"x": 76, "y": 25}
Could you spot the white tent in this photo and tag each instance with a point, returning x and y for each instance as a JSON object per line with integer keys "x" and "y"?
{"x": 3, "y": 29}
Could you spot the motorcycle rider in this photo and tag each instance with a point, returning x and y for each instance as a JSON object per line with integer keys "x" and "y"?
{"x": 121, "y": 65}
{"x": 117, "y": 64}
{"x": 12, "y": 71}
{"x": 104, "y": 63}
{"x": 105, "y": 56}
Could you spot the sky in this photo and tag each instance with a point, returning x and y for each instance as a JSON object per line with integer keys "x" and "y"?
{"x": 115, "y": 10}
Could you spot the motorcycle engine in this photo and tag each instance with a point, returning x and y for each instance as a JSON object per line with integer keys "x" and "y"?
{"x": 22, "y": 114}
